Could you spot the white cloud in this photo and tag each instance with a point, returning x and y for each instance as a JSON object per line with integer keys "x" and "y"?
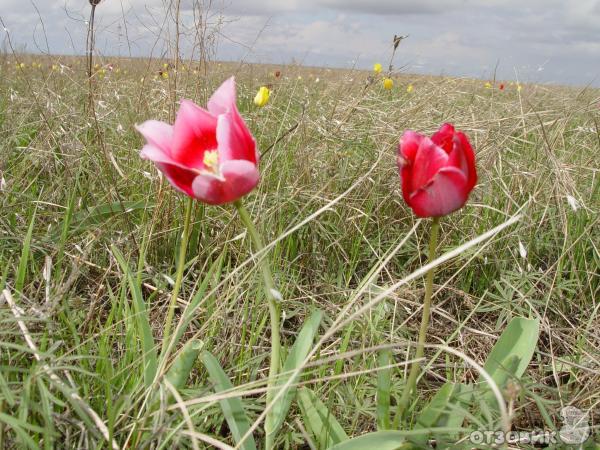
{"x": 464, "y": 37}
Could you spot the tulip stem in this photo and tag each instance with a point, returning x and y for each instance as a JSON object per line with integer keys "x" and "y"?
{"x": 411, "y": 384}
{"x": 272, "y": 298}
{"x": 179, "y": 276}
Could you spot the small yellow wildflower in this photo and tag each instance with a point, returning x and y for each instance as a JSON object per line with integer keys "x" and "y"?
{"x": 165, "y": 75}
{"x": 410, "y": 88}
{"x": 165, "y": 65}
{"x": 262, "y": 96}
{"x": 21, "y": 65}
{"x": 488, "y": 85}
{"x": 388, "y": 83}
{"x": 377, "y": 68}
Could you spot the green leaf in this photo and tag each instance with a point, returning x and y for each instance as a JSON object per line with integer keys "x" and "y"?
{"x": 298, "y": 353}
{"x": 380, "y": 440}
{"x": 319, "y": 421}
{"x": 142, "y": 320}
{"x": 512, "y": 353}
{"x": 389, "y": 439}
{"x": 447, "y": 409}
{"x": 232, "y": 408}
{"x": 184, "y": 362}
{"x": 383, "y": 390}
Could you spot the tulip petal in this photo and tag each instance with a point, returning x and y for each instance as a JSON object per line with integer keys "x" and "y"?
{"x": 409, "y": 144}
{"x": 234, "y": 138}
{"x": 158, "y": 155}
{"x": 223, "y": 99}
{"x": 238, "y": 178}
{"x": 444, "y": 137}
{"x": 469, "y": 156}
{"x": 157, "y": 134}
{"x": 178, "y": 175}
{"x": 406, "y": 182}
{"x": 446, "y": 193}
{"x": 428, "y": 161}
{"x": 181, "y": 178}
{"x": 457, "y": 158}
{"x": 194, "y": 132}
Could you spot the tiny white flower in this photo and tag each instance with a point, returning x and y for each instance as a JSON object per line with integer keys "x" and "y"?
{"x": 573, "y": 203}
{"x": 276, "y": 295}
{"x": 522, "y": 250}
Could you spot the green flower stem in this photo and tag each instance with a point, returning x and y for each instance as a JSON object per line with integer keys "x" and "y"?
{"x": 272, "y": 299}
{"x": 414, "y": 369}
{"x": 179, "y": 276}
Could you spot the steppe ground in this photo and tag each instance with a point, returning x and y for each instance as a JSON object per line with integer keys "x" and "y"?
{"x": 74, "y": 194}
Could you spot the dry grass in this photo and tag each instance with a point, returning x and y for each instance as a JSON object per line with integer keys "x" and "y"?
{"x": 328, "y": 202}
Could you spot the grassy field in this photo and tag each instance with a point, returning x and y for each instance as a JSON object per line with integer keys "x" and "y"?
{"x": 89, "y": 235}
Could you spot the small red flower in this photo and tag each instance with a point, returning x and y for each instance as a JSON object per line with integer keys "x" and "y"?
{"x": 501, "y": 86}
{"x": 277, "y": 73}
{"x": 437, "y": 173}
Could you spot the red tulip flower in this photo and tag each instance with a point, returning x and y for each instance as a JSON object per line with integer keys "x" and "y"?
{"x": 210, "y": 154}
{"x": 437, "y": 173}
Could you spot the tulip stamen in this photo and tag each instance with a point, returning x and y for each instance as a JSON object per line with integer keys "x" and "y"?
{"x": 211, "y": 165}
{"x": 211, "y": 160}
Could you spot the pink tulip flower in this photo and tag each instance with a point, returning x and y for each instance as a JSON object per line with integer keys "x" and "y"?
{"x": 437, "y": 174}
{"x": 210, "y": 154}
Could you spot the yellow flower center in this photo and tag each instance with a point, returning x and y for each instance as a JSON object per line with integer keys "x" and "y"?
{"x": 211, "y": 160}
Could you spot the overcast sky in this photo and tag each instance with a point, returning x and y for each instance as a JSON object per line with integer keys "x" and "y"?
{"x": 536, "y": 40}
